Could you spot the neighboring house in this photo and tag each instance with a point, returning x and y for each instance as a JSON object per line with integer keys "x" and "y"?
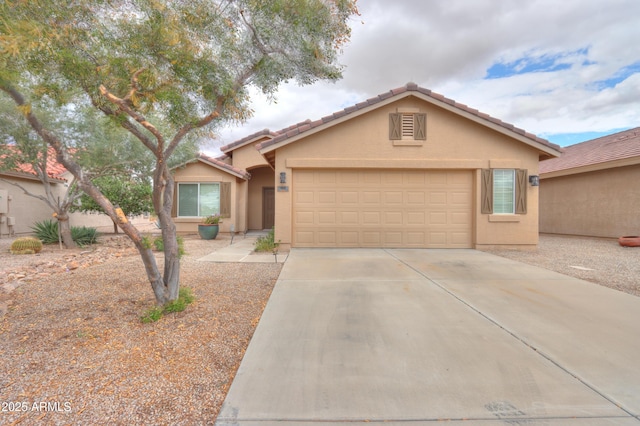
{"x": 593, "y": 189}
{"x": 19, "y": 212}
{"x": 408, "y": 168}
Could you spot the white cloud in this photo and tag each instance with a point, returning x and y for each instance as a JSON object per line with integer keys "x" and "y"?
{"x": 448, "y": 46}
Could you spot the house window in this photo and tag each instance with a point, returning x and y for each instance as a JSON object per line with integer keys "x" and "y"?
{"x": 407, "y": 126}
{"x": 198, "y": 199}
{"x": 504, "y": 191}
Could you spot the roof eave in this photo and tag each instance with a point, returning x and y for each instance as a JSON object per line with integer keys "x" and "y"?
{"x": 630, "y": 161}
{"x": 546, "y": 151}
{"x": 232, "y": 172}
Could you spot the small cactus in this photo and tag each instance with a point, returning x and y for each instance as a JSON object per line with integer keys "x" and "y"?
{"x": 26, "y": 245}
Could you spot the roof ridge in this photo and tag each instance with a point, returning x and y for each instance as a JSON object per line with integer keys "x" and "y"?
{"x": 306, "y": 125}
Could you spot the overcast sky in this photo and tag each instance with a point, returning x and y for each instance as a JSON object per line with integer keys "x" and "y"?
{"x": 565, "y": 70}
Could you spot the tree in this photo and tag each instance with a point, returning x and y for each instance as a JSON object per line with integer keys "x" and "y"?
{"x": 131, "y": 195}
{"x": 190, "y": 62}
{"x": 23, "y": 147}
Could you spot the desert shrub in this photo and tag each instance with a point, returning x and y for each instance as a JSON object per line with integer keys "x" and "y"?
{"x": 84, "y": 235}
{"x": 47, "y": 232}
{"x": 185, "y": 298}
{"x": 266, "y": 243}
{"x": 157, "y": 243}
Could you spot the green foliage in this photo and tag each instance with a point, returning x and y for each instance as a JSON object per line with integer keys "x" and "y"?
{"x": 266, "y": 243}
{"x": 213, "y": 219}
{"x": 185, "y": 298}
{"x": 133, "y": 196}
{"x": 47, "y": 232}
{"x": 157, "y": 243}
{"x": 26, "y": 245}
{"x": 84, "y": 236}
{"x": 152, "y": 315}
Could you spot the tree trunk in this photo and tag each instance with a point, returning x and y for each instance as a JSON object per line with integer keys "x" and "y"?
{"x": 115, "y": 228}
{"x": 162, "y": 202}
{"x": 65, "y": 231}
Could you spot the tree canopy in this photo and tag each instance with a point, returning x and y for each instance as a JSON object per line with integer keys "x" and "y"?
{"x": 187, "y": 62}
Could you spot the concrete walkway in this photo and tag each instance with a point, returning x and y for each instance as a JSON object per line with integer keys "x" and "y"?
{"x": 413, "y": 337}
{"x": 241, "y": 250}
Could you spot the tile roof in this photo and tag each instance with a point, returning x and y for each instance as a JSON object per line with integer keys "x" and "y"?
{"x": 247, "y": 139}
{"x": 618, "y": 146}
{"x": 55, "y": 170}
{"x": 224, "y": 166}
{"x": 307, "y": 125}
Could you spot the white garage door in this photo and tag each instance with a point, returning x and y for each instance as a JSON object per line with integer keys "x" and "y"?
{"x": 391, "y": 208}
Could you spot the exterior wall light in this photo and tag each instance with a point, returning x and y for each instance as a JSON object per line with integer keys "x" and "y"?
{"x": 534, "y": 180}
{"x": 283, "y": 177}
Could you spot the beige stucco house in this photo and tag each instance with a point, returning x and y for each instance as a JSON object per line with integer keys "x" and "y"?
{"x": 19, "y": 212}
{"x": 593, "y": 190}
{"x": 408, "y": 168}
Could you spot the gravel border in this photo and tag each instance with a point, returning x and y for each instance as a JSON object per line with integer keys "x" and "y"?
{"x": 74, "y": 351}
{"x": 598, "y": 260}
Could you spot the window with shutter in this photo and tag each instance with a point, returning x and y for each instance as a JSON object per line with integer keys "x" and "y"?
{"x": 503, "y": 191}
{"x": 198, "y": 199}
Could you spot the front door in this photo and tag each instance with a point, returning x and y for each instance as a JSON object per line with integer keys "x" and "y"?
{"x": 268, "y": 207}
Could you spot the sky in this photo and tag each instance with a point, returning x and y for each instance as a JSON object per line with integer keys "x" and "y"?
{"x": 565, "y": 70}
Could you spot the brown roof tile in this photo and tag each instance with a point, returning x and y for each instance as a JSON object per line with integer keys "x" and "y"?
{"x": 247, "y": 139}
{"x": 410, "y": 87}
{"x": 221, "y": 165}
{"x": 617, "y": 146}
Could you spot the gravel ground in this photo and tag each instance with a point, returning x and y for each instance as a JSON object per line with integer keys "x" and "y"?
{"x": 74, "y": 351}
{"x": 598, "y": 260}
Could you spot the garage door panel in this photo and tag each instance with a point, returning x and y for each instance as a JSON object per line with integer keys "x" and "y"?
{"x": 370, "y": 208}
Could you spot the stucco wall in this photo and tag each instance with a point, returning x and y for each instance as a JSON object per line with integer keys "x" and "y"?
{"x": 25, "y": 209}
{"x": 200, "y": 172}
{"x": 453, "y": 142}
{"x": 603, "y": 203}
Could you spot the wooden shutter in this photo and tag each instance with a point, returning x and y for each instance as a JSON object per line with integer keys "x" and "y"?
{"x": 225, "y": 199}
{"x": 174, "y": 204}
{"x": 395, "y": 126}
{"x": 420, "y": 127}
{"x": 521, "y": 191}
{"x": 486, "y": 191}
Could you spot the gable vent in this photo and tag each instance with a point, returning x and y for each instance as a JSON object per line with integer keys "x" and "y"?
{"x": 407, "y": 125}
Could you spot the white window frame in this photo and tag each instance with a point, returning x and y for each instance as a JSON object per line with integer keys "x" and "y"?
{"x": 500, "y": 200}
{"x": 198, "y": 204}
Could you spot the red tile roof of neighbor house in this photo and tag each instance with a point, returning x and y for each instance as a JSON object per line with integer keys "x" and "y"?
{"x": 55, "y": 170}
{"x": 222, "y": 165}
{"x": 618, "y": 146}
{"x": 307, "y": 125}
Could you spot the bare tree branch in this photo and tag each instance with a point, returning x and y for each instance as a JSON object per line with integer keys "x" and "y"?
{"x": 124, "y": 106}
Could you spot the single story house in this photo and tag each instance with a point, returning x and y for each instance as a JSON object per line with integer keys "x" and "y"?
{"x": 408, "y": 168}
{"x": 592, "y": 189}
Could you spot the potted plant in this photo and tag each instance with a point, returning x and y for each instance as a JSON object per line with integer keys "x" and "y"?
{"x": 208, "y": 229}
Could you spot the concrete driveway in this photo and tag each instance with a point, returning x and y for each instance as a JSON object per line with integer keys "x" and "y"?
{"x": 421, "y": 336}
